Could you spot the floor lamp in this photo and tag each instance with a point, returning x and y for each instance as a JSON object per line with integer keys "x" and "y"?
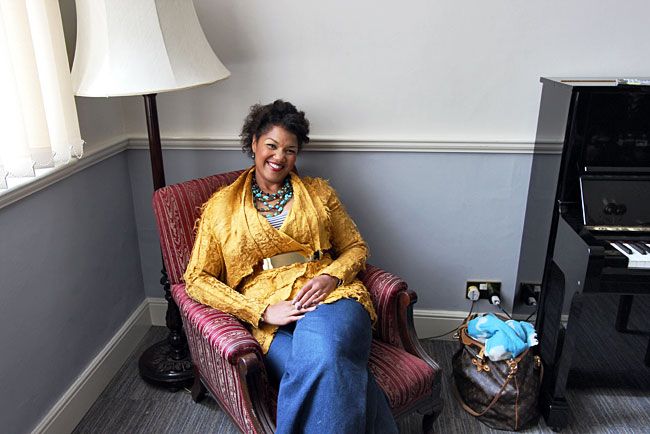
{"x": 145, "y": 47}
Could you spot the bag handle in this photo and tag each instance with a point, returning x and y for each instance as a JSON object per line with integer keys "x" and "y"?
{"x": 469, "y": 409}
{"x": 463, "y": 335}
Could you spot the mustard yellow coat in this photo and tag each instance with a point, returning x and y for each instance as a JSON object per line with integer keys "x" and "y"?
{"x": 233, "y": 237}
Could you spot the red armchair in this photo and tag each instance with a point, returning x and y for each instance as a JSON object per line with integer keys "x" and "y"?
{"x": 229, "y": 362}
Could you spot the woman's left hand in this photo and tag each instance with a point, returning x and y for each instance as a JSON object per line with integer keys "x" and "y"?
{"x": 315, "y": 291}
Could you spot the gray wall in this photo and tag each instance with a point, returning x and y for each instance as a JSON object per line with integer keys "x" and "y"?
{"x": 69, "y": 278}
{"x": 435, "y": 219}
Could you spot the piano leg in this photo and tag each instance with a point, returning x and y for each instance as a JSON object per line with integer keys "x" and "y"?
{"x": 623, "y": 315}
{"x": 557, "y": 345}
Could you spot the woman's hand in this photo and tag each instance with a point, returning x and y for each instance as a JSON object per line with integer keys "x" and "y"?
{"x": 283, "y": 313}
{"x": 315, "y": 291}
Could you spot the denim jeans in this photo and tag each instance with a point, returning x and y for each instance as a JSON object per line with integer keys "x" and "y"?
{"x": 321, "y": 363}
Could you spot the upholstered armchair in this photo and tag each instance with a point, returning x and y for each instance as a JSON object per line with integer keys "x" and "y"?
{"x": 229, "y": 363}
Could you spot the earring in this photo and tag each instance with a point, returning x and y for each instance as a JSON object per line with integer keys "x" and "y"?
{"x": 253, "y": 156}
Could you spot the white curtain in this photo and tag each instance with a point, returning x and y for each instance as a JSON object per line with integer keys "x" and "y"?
{"x": 38, "y": 117}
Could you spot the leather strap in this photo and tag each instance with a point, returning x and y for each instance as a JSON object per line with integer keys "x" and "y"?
{"x": 466, "y": 339}
{"x": 494, "y": 400}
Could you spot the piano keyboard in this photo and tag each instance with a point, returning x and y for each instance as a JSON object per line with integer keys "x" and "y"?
{"x": 638, "y": 253}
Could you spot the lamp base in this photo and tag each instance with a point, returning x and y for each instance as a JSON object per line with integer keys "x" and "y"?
{"x": 159, "y": 368}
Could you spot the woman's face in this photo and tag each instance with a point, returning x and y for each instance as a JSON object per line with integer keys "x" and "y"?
{"x": 275, "y": 156}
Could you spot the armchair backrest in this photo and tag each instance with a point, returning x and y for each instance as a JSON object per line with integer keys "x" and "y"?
{"x": 177, "y": 207}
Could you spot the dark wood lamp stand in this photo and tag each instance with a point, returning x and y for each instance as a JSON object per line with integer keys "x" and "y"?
{"x": 166, "y": 363}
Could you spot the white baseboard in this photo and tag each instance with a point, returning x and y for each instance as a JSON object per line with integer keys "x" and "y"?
{"x": 64, "y": 416}
{"x": 158, "y": 310}
{"x": 433, "y": 323}
{"x": 430, "y": 323}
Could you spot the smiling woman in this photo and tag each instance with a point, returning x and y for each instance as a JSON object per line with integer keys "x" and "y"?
{"x": 280, "y": 253}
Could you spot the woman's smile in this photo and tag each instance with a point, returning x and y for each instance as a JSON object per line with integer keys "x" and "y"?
{"x": 275, "y": 166}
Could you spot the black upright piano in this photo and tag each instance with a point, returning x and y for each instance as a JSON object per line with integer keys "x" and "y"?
{"x": 589, "y": 210}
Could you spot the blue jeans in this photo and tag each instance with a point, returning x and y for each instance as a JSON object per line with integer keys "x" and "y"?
{"x": 321, "y": 363}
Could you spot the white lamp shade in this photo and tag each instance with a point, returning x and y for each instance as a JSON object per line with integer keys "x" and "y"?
{"x": 139, "y": 47}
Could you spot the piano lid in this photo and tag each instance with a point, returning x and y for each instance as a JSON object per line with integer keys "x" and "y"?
{"x": 599, "y": 81}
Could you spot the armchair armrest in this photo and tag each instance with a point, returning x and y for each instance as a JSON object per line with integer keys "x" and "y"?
{"x": 229, "y": 362}
{"x": 394, "y": 305}
{"x": 407, "y": 332}
{"x": 223, "y": 331}
{"x": 384, "y": 288}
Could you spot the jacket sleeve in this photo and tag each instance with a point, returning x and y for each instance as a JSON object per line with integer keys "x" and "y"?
{"x": 346, "y": 240}
{"x": 205, "y": 268}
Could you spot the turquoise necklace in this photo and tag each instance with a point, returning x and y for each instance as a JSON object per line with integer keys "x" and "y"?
{"x": 262, "y": 199}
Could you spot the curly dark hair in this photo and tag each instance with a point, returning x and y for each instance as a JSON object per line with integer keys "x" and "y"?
{"x": 262, "y": 118}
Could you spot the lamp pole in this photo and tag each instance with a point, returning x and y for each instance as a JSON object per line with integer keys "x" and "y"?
{"x": 155, "y": 147}
{"x": 166, "y": 363}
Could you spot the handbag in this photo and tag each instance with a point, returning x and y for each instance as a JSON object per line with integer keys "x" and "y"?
{"x": 501, "y": 394}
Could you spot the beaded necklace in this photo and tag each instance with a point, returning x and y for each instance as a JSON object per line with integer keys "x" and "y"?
{"x": 264, "y": 199}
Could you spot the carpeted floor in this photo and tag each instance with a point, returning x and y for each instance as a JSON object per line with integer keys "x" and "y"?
{"x": 610, "y": 390}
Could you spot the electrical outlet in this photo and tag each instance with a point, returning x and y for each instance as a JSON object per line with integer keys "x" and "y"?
{"x": 529, "y": 293}
{"x": 486, "y": 288}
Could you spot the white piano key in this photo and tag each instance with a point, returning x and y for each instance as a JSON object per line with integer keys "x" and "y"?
{"x": 635, "y": 259}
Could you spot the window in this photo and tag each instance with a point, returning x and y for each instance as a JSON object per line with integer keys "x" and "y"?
{"x": 38, "y": 119}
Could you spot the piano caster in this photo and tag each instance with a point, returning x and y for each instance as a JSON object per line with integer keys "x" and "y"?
{"x": 555, "y": 412}
{"x": 623, "y": 314}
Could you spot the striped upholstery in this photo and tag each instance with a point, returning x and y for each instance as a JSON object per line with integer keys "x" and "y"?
{"x": 219, "y": 330}
{"x": 411, "y": 381}
{"x": 384, "y": 287}
{"x": 217, "y": 340}
{"x": 177, "y": 207}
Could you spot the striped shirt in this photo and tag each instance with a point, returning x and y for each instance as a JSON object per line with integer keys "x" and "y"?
{"x": 276, "y": 221}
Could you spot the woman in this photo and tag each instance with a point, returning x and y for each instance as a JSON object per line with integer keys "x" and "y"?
{"x": 281, "y": 254}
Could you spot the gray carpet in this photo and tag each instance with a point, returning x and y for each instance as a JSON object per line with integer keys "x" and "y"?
{"x": 609, "y": 393}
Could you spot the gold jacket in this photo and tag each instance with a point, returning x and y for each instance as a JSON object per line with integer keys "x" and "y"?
{"x": 233, "y": 238}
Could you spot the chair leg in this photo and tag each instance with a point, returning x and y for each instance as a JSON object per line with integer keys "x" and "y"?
{"x": 198, "y": 389}
{"x": 427, "y": 423}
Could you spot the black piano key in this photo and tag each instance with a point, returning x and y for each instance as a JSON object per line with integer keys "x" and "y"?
{"x": 644, "y": 246}
{"x": 637, "y": 248}
{"x": 625, "y": 248}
